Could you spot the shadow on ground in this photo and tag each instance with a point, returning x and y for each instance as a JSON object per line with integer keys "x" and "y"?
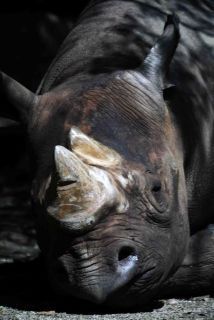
{"x": 24, "y": 286}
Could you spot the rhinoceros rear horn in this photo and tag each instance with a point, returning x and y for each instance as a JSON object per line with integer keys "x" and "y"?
{"x": 156, "y": 65}
{"x": 93, "y": 152}
{"x": 19, "y": 96}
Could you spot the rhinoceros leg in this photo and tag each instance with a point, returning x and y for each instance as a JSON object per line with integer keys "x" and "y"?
{"x": 196, "y": 274}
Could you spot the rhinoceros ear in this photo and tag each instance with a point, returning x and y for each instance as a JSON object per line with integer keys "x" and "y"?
{"x": 19, "y": 96}
{"x": 91, "y": 151}
{"x": 156, "y": 65}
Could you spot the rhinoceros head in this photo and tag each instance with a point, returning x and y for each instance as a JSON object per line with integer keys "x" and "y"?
{"x": 109, "y": 187}
{"x": 113, "y": 228}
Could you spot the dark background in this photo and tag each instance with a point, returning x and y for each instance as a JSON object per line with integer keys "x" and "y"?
{"x": 30, "y": 34}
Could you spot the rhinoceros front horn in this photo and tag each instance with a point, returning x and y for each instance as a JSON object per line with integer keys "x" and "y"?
{"x": 85, "y": 193}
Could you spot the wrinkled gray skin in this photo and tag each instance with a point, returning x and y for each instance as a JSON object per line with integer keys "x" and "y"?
{"x": 101, "y": 83}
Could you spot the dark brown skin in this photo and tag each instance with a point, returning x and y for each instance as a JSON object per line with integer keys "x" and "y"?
{"x": 115, "y": 94}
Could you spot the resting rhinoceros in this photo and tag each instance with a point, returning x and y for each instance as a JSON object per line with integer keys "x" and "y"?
{"x": 122, "y": 159}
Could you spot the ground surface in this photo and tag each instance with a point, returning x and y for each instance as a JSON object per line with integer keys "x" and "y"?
{"x": 197, "y": 308}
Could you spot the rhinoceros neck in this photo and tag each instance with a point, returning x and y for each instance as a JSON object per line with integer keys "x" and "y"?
{"x": 193, "y": 107}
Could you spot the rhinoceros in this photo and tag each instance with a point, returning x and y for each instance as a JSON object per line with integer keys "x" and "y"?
{"x": 121, "y": 135}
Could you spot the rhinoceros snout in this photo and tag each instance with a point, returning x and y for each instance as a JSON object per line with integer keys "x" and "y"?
{"x": 95, "y": 278}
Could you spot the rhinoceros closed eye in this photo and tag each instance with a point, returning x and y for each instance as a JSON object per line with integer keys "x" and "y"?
{"x": 156, "y": 187}
{"x": 156, "y": 190}
{"x": 157, "y": 197}
{"x": 160, "y": 200}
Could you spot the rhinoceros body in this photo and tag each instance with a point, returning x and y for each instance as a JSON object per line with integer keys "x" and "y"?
{"x": 123, "y": 160}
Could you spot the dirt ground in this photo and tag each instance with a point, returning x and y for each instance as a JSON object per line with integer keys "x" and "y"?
{"x": 197, "y": 308}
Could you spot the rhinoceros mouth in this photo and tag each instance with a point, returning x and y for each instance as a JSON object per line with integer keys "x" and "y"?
{"x": 106, "y": 293}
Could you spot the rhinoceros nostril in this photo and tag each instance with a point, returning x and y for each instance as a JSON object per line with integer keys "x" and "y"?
{"x": 127, "y": 264}
{"x": 126, "y": 253}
